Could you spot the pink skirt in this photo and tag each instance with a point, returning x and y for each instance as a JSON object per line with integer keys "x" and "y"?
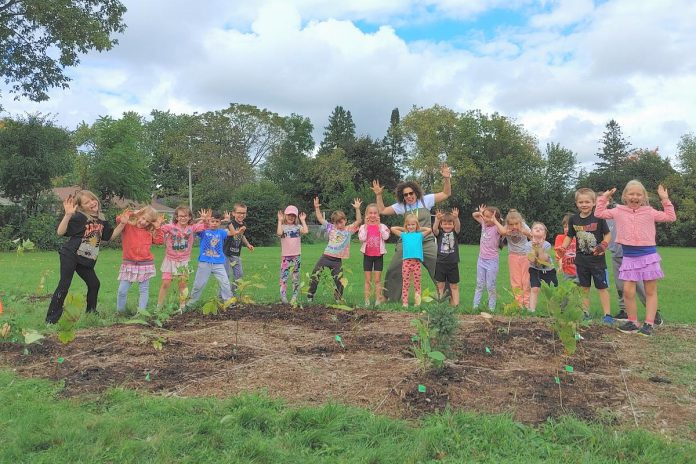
{"x": 641, "y": 268}
{"x": 136, "y": 271}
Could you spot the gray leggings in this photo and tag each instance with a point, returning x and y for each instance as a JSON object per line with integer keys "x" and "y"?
{"x": 122, "y": 295}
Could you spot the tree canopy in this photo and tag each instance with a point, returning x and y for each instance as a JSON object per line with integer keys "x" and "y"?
{"x": 32, "y": 30}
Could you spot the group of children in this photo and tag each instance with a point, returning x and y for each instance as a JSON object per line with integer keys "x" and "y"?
{"x": 579, "y": 251}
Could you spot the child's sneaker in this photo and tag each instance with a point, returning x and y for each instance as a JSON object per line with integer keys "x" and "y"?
{"x": 367, "y": 303}
{"x": 621, "y": 316}
{"x": 608, "y": 320}
{"x": 293, "y": 301}
{"x": 646, "y": 330}
{"x": 658, "y": 319}
{"x": 586, "y": 317}
{"x": 629, "y": 327}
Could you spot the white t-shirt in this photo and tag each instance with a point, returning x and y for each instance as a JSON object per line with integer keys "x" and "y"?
{"x": 427, "y": 202}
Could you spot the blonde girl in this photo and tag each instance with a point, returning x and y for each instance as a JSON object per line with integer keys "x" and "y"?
{"x": 373, "y": 234}
{"x": 541, "y": 268}
{"x": 140, "y": 230}
{"x": 411, "y": 235}
{"x": 179, "y": 236}
{"x": 84, "y": 225}
{"x": 290, "y": 233}
{"x": 635, "y": 231}
{"x": 517, "y": 235}
{"x": 487, "y": 265}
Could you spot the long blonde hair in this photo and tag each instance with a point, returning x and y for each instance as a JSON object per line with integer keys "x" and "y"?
{"x": 149, "y": 213}
{"x": 81, "y": 197}
{"x": 409, "y": 217}
{"x": 636, "y": 183}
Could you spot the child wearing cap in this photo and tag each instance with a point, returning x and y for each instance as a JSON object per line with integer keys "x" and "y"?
{"x": 290, "y": 233}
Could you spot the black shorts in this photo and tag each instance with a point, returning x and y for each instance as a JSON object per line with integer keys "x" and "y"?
{"x": 447, "y": 272}
{"x": 537, "y": 276}
{"x": 373, "y": 263}
{"x": 587, "y": 274}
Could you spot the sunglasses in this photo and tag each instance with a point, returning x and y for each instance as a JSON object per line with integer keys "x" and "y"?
{"x": 408, "y": 194}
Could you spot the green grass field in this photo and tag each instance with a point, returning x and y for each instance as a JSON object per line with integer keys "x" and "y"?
{"x": 22, "y": 275}
{"x": 38, "y": 425}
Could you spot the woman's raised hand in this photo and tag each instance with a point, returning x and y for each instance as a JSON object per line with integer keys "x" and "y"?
{"x": 662, "y": 192}
{"x": 378, "y": 189}
{"x": 317, "y": 204}
{"x": 69, "y": 205}
{"x": 445, "y": 171}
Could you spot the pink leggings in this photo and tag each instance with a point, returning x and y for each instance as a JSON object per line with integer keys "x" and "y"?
{"x": 410, "y": 268}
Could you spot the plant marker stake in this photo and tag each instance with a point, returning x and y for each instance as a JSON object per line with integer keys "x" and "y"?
{"x": 578, "y": 336}
{"x": 569, "y": 368}
{"x": 340, "y": 342}
{"x": 60, "y": 360}
{"x": 421, "y": 388}
{"x": 147, "y": 377}
{"x": 488, "y": 350}
{"x": 558, "y": 380}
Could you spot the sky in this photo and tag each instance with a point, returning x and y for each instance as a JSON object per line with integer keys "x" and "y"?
{"x": 560, "y": 68}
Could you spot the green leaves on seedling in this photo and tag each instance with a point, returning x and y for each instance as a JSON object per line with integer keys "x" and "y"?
{"x": 70, "y": 317}
{"x": 569, "y": 368}
{"x": 23, "y": 245}
{"x": 488, "y": 350}
{"x": 557, "y": 380}
{"x": 147, "y": 377}
{"x": 31, "y": 336}
{"x": 340, "y": 341}
{"x": 60, "y": 360}
{"x": 421, "y": 388}
{"x": 341, "y": 306}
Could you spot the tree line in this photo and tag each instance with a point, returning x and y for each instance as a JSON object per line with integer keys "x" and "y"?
{"x": 249, "y": 154}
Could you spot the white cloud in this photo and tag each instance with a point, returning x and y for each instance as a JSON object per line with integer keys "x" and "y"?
{"x": 563, "y": 75}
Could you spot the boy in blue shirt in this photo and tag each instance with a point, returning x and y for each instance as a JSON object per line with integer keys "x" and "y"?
{"x": 211, "y": 259}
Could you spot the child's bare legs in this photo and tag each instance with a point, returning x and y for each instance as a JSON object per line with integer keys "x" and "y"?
{"x": 454, "y": 297}
{"x": 379, "y": 294}
{"x": 604, "y": 300}
{"x": 586, "y": 298}
{"x": 650, "y": 300}
{"x": 441, "y": 289}
{"x": 164, "y": 288}
{"x": 629, "y": 296}
{"x": 368, "y": 286}
{"x": 534, "y": 297}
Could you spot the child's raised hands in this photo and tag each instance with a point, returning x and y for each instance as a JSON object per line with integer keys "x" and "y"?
{"x": 70, "y": 205}
{"x": 303, "y": 216}
{"x": 281, "y": 216}
{"x": 439, "y": 214}
{"x": 481, "y": 208}
{"x": 609, "y": 193}
{"x": 445, "y": 171}
{"x": 356, "y": 203}
{"x": 317, "y": 204}
{"x": 455, "y": 212}
{"x": 662, "y": 192}
{"x": 378, "y": 189}
{"x": 125, "y": 216}
{"x": 159, "y": 221}
{"x": 226, "y": 216}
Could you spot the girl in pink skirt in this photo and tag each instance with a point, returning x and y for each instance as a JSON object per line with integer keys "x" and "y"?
{"x": 635, "y": 231}
{"x": 141, "y": 229}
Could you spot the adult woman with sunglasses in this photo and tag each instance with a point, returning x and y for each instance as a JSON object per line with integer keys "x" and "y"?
{"x": 410, "y": 199}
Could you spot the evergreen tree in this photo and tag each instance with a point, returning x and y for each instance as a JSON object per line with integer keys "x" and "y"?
{"x": 612, "y": 157}
{"x": 395, "y": 140}
{"x": 340, "y": 132}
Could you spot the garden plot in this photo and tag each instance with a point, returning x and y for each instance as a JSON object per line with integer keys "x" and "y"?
{"x": 364, "y": 358}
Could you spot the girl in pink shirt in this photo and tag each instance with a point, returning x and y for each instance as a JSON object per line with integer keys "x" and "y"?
{"x": 290, "y": 233}
{"x": 487, "y": 264}
{"x": 372, "y": 234}
{"x": 141, "y": 229}
{"x": 635, "y": 231}
{"x": 178, "y": 241}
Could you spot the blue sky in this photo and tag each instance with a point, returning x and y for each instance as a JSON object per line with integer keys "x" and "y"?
{"x": 561, "y": 68}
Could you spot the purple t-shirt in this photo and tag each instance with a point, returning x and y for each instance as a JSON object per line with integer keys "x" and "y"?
{"x": 490, "y": 237}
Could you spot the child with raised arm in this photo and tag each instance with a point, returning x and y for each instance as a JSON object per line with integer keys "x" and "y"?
{"x": 635, "y": 231}
{"x": 411, "y": 235}
{"x": 140, "y": 230}
{"x": 592, "y": 238}
{"x": 211, "y": 259}
{"x": 373, "y": 234}
{"x": 487, "y": 264}
{"x": 85, "y": 227}
{"x": 446, "y": 229}
{"x": 233, "y": 245}
{"x": 567, "y": 260}
{"x": 179, "y": 236}
{"x": 517, "y": 235}
{"x": 290, "y": 233}
{"x": 541, "y": 267}
{"x": 338, "y": 247}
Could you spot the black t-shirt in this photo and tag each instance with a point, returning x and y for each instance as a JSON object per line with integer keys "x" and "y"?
{"x": 233, "y": 243}
{"x": 85, "y": 234}
{"x": 588, "y": 233}
{"x": 447, "y": 247}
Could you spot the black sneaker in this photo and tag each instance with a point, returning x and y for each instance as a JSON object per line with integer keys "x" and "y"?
{"x": 646, "y": 330}
{"x": 629, "y": 327}
{"x": 621, "y": 316}
{"x": 658, "y": 319}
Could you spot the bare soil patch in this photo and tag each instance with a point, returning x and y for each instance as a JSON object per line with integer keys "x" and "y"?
{"x": 294, "y": 354}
